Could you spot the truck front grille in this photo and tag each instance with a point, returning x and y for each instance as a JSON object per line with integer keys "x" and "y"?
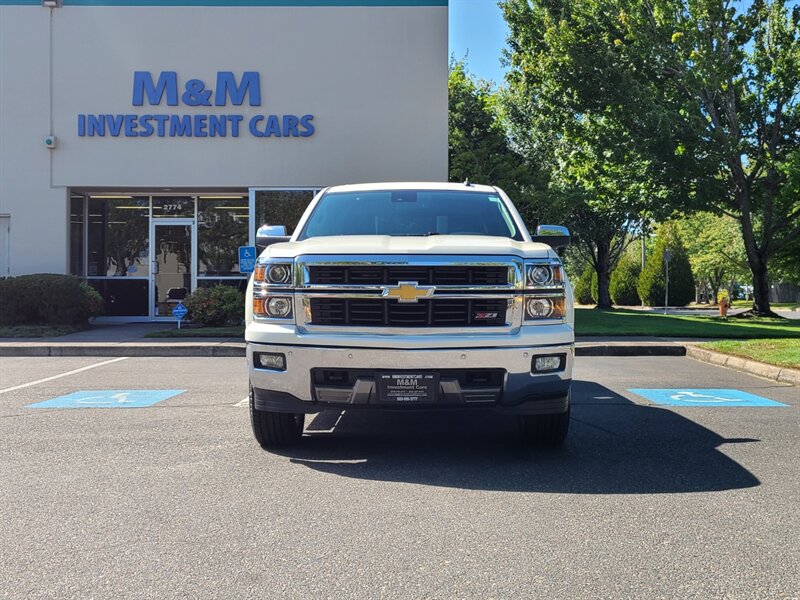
{"x": 426, "y": 313}
{"x": 392, "y": 275}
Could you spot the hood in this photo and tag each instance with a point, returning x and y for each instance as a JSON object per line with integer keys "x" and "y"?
{"x": 435, "y": 244}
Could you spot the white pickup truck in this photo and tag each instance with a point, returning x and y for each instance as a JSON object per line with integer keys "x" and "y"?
{"x": 409, "y": 296}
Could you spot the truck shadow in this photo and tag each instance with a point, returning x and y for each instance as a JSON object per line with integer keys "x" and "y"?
{"x": 615, "y": 447}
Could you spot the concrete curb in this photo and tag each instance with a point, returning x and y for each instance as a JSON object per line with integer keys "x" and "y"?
{"x": 630, "y": 350}
{"x": 129, "y": 350}
{"x": 753, "y": 367}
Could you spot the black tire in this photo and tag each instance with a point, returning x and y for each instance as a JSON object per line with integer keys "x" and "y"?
{"x": 545, "y": 430}
{"x": 272, "y": 429}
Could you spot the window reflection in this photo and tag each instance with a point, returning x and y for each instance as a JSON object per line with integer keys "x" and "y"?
{"x": 282, "y": 207}
{"x": 77, "y": 219}
{"x": 222, "y": 226}
{"x": 118, "y": 236}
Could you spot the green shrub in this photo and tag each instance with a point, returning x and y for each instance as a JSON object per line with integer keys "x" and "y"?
{"x": 681, "y": 281}
{"x": 47, "y": 299}
{"x": 217, "y": 306}
{"x": 584, "y": 286}
{"x": 623, "y": 281}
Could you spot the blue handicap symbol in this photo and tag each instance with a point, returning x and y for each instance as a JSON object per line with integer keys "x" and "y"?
{"x": 703, "y": 397}
{"x": 179, "y": 311}
{"x": 247, "y": 259}
{"x": 108, "y": 399}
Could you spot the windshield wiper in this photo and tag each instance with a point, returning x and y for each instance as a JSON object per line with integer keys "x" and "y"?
{"x": 430, "y": 233}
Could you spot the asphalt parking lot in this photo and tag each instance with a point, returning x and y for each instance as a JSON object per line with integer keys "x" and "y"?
{"x": 177, "y": 500}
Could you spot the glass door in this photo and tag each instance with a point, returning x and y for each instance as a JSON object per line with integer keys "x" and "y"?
{"x": 172, "y": 273}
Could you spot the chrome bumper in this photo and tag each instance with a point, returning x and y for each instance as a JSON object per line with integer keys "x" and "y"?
{"x": 519, "y": 383}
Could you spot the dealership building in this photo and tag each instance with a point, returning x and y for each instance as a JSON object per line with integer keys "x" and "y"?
{"x": 143, "y": 142}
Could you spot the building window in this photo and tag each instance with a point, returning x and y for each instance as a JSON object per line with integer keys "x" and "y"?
{"x": 118, "y": 236}
{"x": 77, "y": 221}
{"x": 222, "y": 224}
{"x": 282, "y": 207}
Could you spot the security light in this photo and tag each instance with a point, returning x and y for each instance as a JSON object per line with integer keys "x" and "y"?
{"x": 52, "y": 3}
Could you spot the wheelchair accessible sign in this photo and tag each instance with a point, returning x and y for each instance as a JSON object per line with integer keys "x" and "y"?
{"x": 247, "y": 259}
{"x": 108, "y": 399}
{"x": 703, "y": 397}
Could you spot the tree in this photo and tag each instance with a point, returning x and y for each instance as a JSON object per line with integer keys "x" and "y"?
{"x": 708, "y": 93}
{"x": 625, "y": 278}
{"x": 652, "y": 281}
{"x": 598, "y": 179}
{"x": 478, "y": 146}
{"x": 716, "y": 250}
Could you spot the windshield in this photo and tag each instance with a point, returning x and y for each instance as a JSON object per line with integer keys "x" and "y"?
{"x": 410, "y": 213}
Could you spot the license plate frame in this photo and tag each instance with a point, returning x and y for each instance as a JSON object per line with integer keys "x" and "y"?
{"x": 407, "y": 387}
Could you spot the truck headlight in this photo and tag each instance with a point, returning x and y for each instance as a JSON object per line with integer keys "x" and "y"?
{"x": 540, "y": 274}
{"x": 277, "y": 273}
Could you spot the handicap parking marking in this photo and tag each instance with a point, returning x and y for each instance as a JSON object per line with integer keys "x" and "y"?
{"x": 704, "y": 397}
{"x": 108, "y": 399}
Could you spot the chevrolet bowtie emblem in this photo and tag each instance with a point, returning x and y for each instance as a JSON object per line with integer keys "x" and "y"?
{"x": 408, "y": 291}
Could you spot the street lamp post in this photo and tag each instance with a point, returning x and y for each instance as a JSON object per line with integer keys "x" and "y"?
{"x": 667, "y": 258}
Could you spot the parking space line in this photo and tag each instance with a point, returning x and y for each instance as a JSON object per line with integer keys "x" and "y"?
{"x": 38, "y": 381}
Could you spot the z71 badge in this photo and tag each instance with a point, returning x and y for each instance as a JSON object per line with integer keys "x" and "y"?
{"x": 485, "y": 315}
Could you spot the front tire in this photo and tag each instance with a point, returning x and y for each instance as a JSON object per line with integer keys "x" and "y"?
{"x": 545, "y": 430}
{"x": 273, "y": 429}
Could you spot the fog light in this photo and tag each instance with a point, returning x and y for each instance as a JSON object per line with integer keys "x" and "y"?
{"x": 548, "y": 363}
{"x": 539, "y": 308}
{"x": 275, "y": 362}
{"x": 279, "y": 307}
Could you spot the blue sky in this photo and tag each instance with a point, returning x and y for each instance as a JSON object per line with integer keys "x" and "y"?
{"x": 477, "y": 27}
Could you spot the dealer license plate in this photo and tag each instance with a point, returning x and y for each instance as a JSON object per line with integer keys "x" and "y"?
{"x": 407, "y": 387}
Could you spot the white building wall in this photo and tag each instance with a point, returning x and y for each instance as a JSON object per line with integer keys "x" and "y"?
{"x": 37, "y": 208}
{"x": 374, "y": 77}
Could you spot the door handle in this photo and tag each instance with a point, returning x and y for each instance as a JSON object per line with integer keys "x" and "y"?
{"x": 155, "y": 267}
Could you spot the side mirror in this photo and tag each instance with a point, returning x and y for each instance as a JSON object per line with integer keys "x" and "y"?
{"x": 555, "y": 236}
{"x": 271, "y": 234}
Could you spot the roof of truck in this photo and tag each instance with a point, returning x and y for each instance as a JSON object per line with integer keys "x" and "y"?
{"x": 412, "y": 185}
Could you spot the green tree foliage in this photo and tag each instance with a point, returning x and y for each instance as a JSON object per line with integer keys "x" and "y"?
{"x": 716, "y": 250}
{"x": 479, "y": 149}
{"x": 598, "y": 178}
{"x": 708, "y": 93}
{"x": 583, "y": 286}
{"x": 625, "y": 278}
{"x": 652, "y": 280}
{"x": 217, "y": 306}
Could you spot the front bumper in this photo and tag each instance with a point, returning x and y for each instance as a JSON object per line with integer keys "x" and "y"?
{"x": 518, "y": 390}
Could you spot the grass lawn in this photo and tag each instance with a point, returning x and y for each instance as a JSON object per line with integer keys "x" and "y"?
{"x": 198, "y": 332}
{"x": 589, "y": 321}
{"x": 773, "y": 305}
{"x": 40, "y": 331}
{"x": 781, "y": 352}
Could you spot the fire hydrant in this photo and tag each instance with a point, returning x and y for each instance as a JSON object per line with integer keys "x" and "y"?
{"x": 724, "y": 305}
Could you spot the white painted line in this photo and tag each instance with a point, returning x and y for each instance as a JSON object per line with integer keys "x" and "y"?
{"x": 38, "y": 381}
{"x": 243, "y": 402}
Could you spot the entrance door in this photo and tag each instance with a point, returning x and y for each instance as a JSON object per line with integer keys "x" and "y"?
{"x": 172, "y": 274}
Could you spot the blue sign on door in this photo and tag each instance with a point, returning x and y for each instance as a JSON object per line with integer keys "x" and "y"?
{"x": 180, "y": 311}
{"x": 247, "y": 259}
{"x": 703, "y": 397}
{"x": 108, "y": 399}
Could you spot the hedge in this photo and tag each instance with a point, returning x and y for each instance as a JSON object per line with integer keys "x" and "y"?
{"x": 47, "y": 299}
